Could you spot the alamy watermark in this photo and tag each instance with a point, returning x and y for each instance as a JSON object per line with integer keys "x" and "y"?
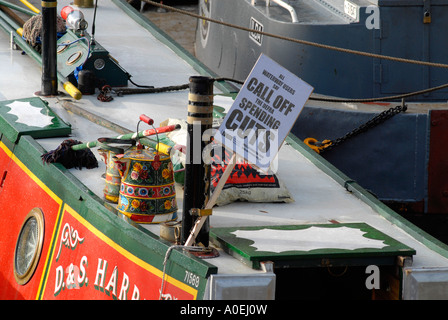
{"x": 373, "y": 280}
{"x": 373, "y": 20}
{"x": 264, "y": 145}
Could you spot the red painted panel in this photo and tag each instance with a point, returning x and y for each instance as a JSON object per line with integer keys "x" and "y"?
{"x": 4, "y": 159}
{"x": 18, "y": 196}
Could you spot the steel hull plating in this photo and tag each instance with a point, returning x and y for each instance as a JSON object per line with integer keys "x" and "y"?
{"x": 385, "y": 28}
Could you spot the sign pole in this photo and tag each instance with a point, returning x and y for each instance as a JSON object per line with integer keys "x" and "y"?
{"x": 197, "y": 172}
{"x": 200, "y": 221}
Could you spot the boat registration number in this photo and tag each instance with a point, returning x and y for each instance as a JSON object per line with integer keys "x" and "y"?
{"x": 255, "y": 36}
{"x": 351, "y": 9}
{"x": 191, "y": 279}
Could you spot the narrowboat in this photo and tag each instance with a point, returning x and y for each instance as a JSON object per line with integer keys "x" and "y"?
{"x": 73, "y": 140}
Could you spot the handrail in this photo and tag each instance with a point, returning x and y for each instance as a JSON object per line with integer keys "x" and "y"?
{"x": 30, "y": 6}
{"x": 17, "y": 8}
{"x": 283, "y": 4}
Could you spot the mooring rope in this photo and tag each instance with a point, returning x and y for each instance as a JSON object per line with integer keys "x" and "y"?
{"x": 304, "y": 42}
{"x": 388, "y": 98}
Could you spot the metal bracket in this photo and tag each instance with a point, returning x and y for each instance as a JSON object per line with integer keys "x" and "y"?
{"x": 201, "y": 212}
{"x": 426, "y": 11}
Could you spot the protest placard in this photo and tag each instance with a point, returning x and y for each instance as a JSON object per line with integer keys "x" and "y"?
{"x": 263, "y": 113}
{"x": 258, "y": 122}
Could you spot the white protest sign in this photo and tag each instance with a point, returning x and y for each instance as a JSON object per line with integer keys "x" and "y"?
{"x": 263, "y": 113}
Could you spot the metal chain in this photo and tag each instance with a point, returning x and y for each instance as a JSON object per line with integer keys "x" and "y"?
{"x": 105, "y": 94}
{"x": 380, "y": 118}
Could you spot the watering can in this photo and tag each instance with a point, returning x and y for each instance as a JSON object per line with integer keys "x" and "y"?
{"x": 147, "y": 191}
{"x": 107, "y": 152}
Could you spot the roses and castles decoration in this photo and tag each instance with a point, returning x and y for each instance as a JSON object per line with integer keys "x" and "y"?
{"x": 147, "y": 191}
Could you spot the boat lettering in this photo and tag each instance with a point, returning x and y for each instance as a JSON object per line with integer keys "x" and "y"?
{"x": 351, "y": 9}
{"x": 75, "y": 279}
{"x": 115, "y": 284}
{"x": 111, "y": 281}
{"x": 112, "y": 285}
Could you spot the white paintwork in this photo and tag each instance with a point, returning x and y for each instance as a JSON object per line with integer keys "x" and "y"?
{"x": 29, "y": 115}
{"x": 312, "y": 238}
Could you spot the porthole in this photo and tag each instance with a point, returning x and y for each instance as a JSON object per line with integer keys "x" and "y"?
{"x": 62, "y": 47}
{"x": 29, "y": 246}
{"x": 74, "y": 57}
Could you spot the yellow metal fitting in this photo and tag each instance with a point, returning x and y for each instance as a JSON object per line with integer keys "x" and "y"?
{"x": 49, "y": 4}
{"x": 164, "y": 148}
{"x": 201, "y": 212}
{"x": 427, "y": 17}
{"x": 72, "y": 90}
{"x": 311, "y": 142}
{"x": 316, "y": 145}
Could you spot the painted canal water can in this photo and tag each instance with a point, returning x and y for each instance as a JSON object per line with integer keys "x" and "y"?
{"x": 147, "y": 191}
{"x": 112, "y": 176}
{"x": 112, "y": 184}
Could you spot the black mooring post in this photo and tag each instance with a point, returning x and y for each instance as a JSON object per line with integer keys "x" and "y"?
{"x": 49, "y": 86}
{"x": 197, "y": 173}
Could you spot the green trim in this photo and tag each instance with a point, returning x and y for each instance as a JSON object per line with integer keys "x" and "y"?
{"x": 13, "y": 129}
{"x": 366, "y": 197}
{"x": 164, "y": 38}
